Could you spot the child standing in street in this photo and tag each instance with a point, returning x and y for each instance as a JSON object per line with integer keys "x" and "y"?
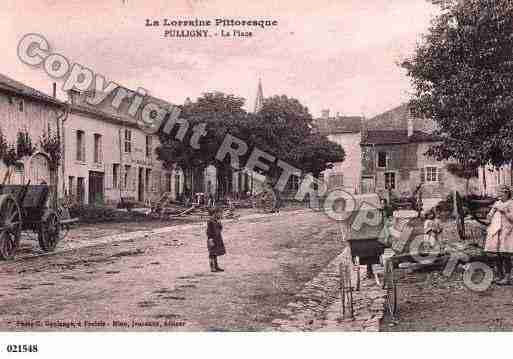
{"x": 432, "y": 228}
{"x": 215, "y": 242}
{"x": 387, "y": 213}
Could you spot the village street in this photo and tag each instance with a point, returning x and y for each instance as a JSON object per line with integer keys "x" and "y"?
{"x": 165, "y": 278}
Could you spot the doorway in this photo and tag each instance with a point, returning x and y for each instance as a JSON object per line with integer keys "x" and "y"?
{"x": 140, "y": 185}
{"x": 96, "y": 181}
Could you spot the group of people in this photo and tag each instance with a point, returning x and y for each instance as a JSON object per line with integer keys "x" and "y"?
{"x": 499, "y": 238}
{"x": 499, "y": 234}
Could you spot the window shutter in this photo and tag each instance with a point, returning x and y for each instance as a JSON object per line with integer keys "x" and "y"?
{"x": 100, "y": 150}
{"x": 121, "y": 176}
{"x": 108, "y": 177}
{"x": 392, "y": 159}
{"x": 422, "y": 175}
{"x": 440, "y": 175}
{"x": 83, "y": 147}
{"x": 155, "y": 182}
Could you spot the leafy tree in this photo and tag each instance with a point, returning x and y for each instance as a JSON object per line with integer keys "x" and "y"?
{"x": 462, "y": 73}
{"x": 220, "y": 114}
{"x": 282, "y": 128}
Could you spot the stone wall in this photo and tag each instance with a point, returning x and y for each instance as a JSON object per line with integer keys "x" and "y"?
{"x": 350, "y": 169}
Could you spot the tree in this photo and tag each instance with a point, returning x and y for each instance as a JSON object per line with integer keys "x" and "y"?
{"x": 11, "y": 154}
{"x": 219, "y": 114}
{"x": 282, "y": 128}
{"x": 462, "y": 74}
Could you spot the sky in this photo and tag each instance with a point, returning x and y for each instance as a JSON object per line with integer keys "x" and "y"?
{"x": 340, "y": 55}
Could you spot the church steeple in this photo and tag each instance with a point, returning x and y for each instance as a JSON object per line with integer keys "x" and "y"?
{"x": 259, "y": 101}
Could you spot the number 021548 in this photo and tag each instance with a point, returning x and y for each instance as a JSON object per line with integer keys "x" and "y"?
{"x": 22, "y": 348}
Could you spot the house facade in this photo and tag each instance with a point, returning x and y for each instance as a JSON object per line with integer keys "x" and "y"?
{"x": 394, "y": 147}
{"x": 31, "y": 112}
{"x": 345, "y": 131}
{"x": 108, "y": 157}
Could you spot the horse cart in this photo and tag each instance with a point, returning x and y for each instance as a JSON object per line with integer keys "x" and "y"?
{"x": 26, "y": 208}
{"x": 388, "y": 247}
{"x": 370, "y": 240}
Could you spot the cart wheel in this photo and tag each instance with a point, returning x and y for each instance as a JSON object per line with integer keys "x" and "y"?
{"x": 49, "y": 230}
{"x": 391, "y": 289}
{"x": 10, "y": 224}
{"x": 346, "y": 291}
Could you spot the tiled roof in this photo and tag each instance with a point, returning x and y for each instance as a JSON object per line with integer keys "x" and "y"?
{"x": 109, "y": 113}
{"x": 385, "y": 137}
{"x": 396, "y": 137}
{"x": 391, "y": 127}
{"x": 104, "y": 115}
{"x": 337, "y": 125}
{"x": 394, "y": 119}
{"x": 10, "y": 85}
{"x": 421, "y": 136}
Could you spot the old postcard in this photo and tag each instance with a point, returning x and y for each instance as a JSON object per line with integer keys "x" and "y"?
{"x": 236, "y": 166}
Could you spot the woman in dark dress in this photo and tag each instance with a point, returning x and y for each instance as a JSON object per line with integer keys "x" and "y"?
{"x": 215, "y": 242}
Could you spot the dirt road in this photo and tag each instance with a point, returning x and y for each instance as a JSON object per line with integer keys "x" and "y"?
{"x": 163, "y": 282}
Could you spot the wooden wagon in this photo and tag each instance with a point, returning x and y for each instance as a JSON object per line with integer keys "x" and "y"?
{"x": 473, "y": 209}
{"x": 25, "y": 208}
{"x": 371, "y": 245}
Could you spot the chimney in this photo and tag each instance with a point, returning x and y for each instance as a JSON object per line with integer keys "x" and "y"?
{"x": 410, "y": 126}
{"x": 325, "y": 114}
{"x": 54, "y": 90}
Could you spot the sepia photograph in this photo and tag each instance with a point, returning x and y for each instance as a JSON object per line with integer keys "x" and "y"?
{"x": 208, "y": 166}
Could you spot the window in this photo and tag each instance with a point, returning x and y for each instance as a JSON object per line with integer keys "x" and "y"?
{"x": 148, "y": 146}
{"x": 21, "y": 105}
{"x": 97, "y": 148}
{"x": 80, "y": 146}
{"x": 432, "y": 174}
{"x": 389, "y": 180}
{"x": 71, "y": 185}
{"x": 126, "y": 178}
{"x": 128, "y": 141}
{"x": 156, "y": 182}
{"x": 115, "y": 175}
{"x": 293, "y": 183}
{"x": 19, "y": 174}
{"x": 336, "y": 180}
{"x": 382, "y": 159}
{"x": 368, "y": 184}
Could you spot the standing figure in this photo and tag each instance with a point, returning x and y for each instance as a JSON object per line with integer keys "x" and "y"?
{"x": 215, "y": 242}
{"x": 499, "y": 239}
{"x": 387, "y": 212}
{"x": 432, "y": 228}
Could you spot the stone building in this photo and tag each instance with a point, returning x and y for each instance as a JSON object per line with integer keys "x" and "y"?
{"x": 108, "y": 156}
{"x": 393, "y": 149}
{"x": 345, "y": 131}
{"x": 26, "y": 110}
